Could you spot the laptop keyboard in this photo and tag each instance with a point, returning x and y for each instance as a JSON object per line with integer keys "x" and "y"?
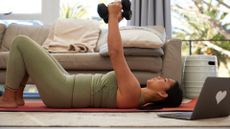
{"x": 179, "y": 115}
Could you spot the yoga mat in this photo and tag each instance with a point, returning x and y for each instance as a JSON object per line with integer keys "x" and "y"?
{"x": 39, "y": 106}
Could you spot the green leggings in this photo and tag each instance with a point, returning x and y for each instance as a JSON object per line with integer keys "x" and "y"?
{"x": 29, "y": 59}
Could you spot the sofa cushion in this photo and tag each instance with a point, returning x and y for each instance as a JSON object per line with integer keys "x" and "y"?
{"x": 2, "y": 30}
{"x": 94, "y": 61}
{"x": 37, "y": 33}
{"x": 134, "y": 51}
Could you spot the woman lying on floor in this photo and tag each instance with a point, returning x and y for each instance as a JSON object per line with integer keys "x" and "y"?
{"x": 58, "y": 89}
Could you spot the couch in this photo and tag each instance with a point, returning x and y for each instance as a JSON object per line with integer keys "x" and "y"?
{"x": 143, "y": 66}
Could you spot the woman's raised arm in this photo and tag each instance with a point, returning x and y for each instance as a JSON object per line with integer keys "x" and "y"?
{"x": 129, "y": 90}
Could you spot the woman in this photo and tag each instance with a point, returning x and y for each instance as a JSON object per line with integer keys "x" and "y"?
{"x": 58, "y": 89}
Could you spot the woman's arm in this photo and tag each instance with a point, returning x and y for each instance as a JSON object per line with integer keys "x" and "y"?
{"x": 129, "y": 89}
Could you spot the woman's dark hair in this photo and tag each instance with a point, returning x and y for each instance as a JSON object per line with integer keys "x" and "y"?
{"x": 174, "y": 99}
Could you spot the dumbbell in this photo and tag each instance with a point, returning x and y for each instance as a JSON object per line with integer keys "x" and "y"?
{"x": 103, "y": 12}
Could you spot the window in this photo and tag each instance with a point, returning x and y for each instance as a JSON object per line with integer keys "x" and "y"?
{"x": 83, "y": 9}
{"x": 18, "y": 8}
{"x": 46, "y": 11}
{"x": 203, "y": 26}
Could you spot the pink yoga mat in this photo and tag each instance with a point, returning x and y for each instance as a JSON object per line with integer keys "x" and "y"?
{"x": 38, "y": 106}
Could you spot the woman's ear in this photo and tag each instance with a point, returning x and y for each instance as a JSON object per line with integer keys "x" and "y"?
{"x": 163, "y": 94}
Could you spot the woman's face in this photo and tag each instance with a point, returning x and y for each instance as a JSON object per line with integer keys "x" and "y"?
{"x": 160, "y": 84}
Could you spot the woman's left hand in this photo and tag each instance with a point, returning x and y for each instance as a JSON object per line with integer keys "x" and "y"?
{"x": 114, "y": 9}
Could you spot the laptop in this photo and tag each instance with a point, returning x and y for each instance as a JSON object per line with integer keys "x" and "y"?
{"x": 213, "y": 101}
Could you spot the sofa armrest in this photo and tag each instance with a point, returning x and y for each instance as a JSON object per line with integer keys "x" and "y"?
{"x": 172, "y": 60}
{"x": 2, "y": 30}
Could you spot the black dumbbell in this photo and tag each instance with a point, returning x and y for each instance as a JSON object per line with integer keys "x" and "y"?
{"x": 104, "y": 14}
{"x": 126, "y": 6}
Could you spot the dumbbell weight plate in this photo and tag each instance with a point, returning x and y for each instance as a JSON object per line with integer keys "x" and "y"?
{"x": 127, "y": 14}
{"x": 103, "y": 12}
{"x": 126, "y": 5}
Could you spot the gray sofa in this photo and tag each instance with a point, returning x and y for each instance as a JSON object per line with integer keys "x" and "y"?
{"x": 143, "y": 66}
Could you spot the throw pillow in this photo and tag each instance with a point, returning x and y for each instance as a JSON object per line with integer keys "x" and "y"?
{"x": 67, "y": 32}
{"x": 143, "y": 37}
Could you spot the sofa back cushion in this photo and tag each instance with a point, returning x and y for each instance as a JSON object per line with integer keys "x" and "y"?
{"x": 132, "y": 51}
{"x": 2, "y": 30}
{"x": 37, "y": 33}
{"x": 137, "y": 36}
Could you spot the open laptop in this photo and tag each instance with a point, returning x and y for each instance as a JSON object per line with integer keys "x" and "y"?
{"x": 213, "y": 101}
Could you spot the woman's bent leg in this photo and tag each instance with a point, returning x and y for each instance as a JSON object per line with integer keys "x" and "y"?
{"x": 53, "y": 82}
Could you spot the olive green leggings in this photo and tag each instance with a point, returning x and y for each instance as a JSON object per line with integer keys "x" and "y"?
{"x": 28, "y": 59}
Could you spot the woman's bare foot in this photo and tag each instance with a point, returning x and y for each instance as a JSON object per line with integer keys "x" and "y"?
{"x": 20, "y": 101}
{"x": 8, "y": 99}
{"x": 19, "y": 96}
{"x": 7, "y": 103}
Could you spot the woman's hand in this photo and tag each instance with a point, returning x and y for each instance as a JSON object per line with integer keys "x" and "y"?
{"x": 114, "y": 9}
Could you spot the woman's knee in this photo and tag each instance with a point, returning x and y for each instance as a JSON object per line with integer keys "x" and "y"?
{"x": 22, "y": 41}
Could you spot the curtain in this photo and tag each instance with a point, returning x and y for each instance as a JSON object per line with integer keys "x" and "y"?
{"x": 151, "y": 12}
